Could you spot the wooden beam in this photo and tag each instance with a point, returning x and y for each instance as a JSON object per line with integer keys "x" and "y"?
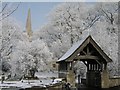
{"x": 88, "y": 50}
{"x": 98, "y": 62}
{"x": 101, "y": 52}
{"x": 87, "y": 57}
{"x": 84, "y": 52}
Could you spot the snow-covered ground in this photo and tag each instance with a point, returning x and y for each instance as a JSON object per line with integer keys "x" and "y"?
{"x": 44, "y": 80}
{"x": 46, "y": 74}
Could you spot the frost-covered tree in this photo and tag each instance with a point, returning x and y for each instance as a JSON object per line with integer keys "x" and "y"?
{"x": 105, "y": 32}
{"x": 68, "y": 22}
{"x": 49, "y": 35}
{"x": 11, "y": 34}
{"x": 8, "y": 32}
{"x": 18, "y": 54}
{"x": 28, "y": 56}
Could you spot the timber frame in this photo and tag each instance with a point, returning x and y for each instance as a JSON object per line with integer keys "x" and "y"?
{"x": 90, "y": 53}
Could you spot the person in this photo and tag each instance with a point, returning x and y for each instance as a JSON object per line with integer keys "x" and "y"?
{"x": 2, "y": 78}
{"x": 66, "y": 86}
{"x": 79, "y": 79}
{"x": 9, "y": 76}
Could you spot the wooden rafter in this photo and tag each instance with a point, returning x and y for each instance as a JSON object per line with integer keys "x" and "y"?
{"x": 79, "y": 52}
{"x": 98, "y": 62}
{"x": 87, "y": 57}
{"x": 88, "y": 51}
{"x": 84, "y": 52}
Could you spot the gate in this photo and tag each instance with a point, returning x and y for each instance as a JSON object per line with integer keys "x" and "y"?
{"x": 93, "y": 79}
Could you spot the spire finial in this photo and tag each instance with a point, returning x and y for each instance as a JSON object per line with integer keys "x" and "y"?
{"x": 28, "y": 24}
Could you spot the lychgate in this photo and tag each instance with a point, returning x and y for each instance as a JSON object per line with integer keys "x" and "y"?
{"x": 90, "y": 53}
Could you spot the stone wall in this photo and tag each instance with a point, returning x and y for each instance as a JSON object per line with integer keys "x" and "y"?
{"x": 71, "y": 78}
{"x": 104, "y": 79}
{"x": 114, "y": 81}
{"x": 109, "y": 82}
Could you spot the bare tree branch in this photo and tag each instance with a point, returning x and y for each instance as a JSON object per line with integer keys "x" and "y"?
{"x": 4, "y": 15}
{"x": 93, "y": 21}
{"x": 4, "y": 8}
{"x": 108, "y": 17}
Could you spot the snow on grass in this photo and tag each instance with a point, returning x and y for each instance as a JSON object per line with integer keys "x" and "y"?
{"x": 46, "y": 74}
{"x": 8, "y": 84}
{"x": 45, "y": 79}
{"x": 25, "y": 83}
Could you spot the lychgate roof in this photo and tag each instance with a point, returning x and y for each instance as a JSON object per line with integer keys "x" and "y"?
{"x": 70, "y": 54}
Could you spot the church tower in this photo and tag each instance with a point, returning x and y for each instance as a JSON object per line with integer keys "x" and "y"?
{"x": 28, "y": 26}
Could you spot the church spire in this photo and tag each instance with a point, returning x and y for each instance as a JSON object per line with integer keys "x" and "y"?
{"x": 28, "y": 24}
